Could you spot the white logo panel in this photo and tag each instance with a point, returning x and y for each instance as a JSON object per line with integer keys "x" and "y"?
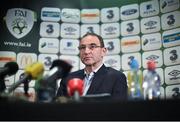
{"x": 149, "y": 25}
{"x": 110, "y": 14}
{"x": 129, "y": 12}
{"x": 126, "y": 59}
{"x": 110, "y": 30}
{"x": 170, "y": 20}
{"x": 50, "y": 14}
{"x": 171, "y": 37}
{"x": 73, "y": 60}
{"x": 24, "y": 59}
{"x": 49, "y": 29}
{"x": 172, "y": 74}
{"x": 70, "y": 30}
{"x": 70, "y": 15}
{"x": 112, "y": 45}
{"x": 151, "y": 41}
{"x": 47, "y": 60}
{"x": 48, "y": 45}
{"x": 112, "y": 61}
{"x": 168, "y": 5}
{"x": 69, "y": 46}
{"x": 172, "y": 92}
{"x": 172, "y": 56}
{"x": 90, "y": 15}
{"x": 130, "y": 27}
{"x": 152, "y": 55}
{"x": 149, "y": 8}
{"x": 130, "y": 44}
{"x": 90, "y": 28}
{"x": 6, "y": 56}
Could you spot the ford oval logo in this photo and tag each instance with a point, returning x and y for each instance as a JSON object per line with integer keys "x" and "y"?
{"x": 70, "y": 29}
{"x": 110, "y": 29}
{"x": 129, "y": 11}
{"x": 150, "y": 23}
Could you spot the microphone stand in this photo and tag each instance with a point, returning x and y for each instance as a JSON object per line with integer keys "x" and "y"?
{"x": 2, "y": 84}
{"x": 26, "y": 88}
{"x": 76, "y": 96}
{"x": 16, "y": 84}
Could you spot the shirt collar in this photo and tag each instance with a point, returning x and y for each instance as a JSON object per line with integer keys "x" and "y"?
{"x": 94, "y": 70}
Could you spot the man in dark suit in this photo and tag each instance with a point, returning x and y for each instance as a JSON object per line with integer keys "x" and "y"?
{"x": 102, "y": 79}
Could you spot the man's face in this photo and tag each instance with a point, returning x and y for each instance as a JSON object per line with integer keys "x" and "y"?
{"x": 91, "y": 52}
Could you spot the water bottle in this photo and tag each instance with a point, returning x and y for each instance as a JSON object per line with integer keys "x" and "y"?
{"x": 134, "y": 80}
{"x": 151, "y": 82}
{"x": 45, "y": 92}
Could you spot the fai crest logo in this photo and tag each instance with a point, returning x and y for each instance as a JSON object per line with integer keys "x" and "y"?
{"x": 19, "y": 21}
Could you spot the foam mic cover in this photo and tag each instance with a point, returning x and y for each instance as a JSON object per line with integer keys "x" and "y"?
{"x": 9, "y": 69}
{"x": 63, "y": 66}
{"x": 75, "y": 85}
{"x": 35, "y": 70}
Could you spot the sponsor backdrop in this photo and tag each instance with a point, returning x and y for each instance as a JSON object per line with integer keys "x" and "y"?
{"x": 50, "y": 29}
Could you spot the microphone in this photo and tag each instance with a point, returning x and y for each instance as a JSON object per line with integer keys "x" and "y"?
{"x": 32, "y": 72}
{"x": 9, "y": 69}
{"x": 47, "y": 85}
{"x": 75, "y": 88}
{"x": 58, "y": 69}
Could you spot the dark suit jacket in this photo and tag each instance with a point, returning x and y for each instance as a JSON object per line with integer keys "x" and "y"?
{"x": 106, "y": 80}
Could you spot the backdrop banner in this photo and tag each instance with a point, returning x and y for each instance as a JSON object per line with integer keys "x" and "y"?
{"x": 43, "y": 31}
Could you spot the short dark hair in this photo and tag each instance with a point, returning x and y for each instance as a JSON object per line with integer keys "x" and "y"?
{"x": 98, "y": 36}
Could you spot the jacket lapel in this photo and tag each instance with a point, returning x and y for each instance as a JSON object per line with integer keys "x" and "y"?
{"x": 81, "y": 74}
{"x": 97, "y": 80}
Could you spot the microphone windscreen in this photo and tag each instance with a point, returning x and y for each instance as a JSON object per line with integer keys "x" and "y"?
{"x": 13, "y": 67}
{"x": 75, "y": 84}
{"x": 66, "y": 67}
{"x": 35, "y": 70}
